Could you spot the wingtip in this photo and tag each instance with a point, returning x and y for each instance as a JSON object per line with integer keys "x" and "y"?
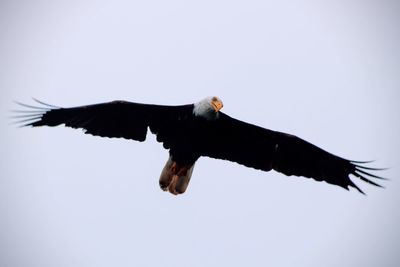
{"x": 30, "y": 106}
{"x": 354, "y": 186}
{"x": 370, "y": 174}
{"x": 45, "y": 104}
{"x": 361, "y": 162}
{"x": 29, "y": 116}
{"x": 370, "y": 168}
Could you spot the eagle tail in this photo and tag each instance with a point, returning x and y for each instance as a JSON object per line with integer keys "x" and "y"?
{"x": 175, "y": 178}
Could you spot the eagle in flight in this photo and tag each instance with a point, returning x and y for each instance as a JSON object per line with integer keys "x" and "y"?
{"x": 201, "y": 129}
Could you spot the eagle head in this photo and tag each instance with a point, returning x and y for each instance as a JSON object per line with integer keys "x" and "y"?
{"x": 208, "y": 107}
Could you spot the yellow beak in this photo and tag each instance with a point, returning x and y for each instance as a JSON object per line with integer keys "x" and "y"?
{"x": 217, "y": 105}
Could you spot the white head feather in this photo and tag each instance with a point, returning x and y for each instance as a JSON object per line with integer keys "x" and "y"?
{"x": 208, "y": 108}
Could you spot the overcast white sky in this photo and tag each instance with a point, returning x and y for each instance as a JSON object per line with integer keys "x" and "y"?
{"x": 327, "y": 71}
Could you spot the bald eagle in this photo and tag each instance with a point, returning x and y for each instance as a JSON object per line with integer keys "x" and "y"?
{"x": 201, "y": 129}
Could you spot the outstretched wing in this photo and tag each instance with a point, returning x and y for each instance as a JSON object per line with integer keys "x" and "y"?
{"x": 119, "y": 119}
{"x": 263, "y": 149}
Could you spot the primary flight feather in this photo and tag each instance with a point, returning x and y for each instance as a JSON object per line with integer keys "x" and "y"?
{"x": 201, "y": 129}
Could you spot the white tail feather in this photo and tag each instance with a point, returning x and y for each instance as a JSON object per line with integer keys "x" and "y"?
{"x": 175, "y": 178}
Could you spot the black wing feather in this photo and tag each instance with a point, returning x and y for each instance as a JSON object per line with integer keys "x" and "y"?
{"x": 120, "y": 119}
{"x": 263, "y": 149}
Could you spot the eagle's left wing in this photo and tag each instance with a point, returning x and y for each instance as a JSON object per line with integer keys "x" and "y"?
{"x": 118, "y": 119}
{"x": 234, "y": 140}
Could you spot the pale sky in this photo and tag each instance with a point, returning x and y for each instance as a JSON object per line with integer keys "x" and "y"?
{"x": 326, "y": 71}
